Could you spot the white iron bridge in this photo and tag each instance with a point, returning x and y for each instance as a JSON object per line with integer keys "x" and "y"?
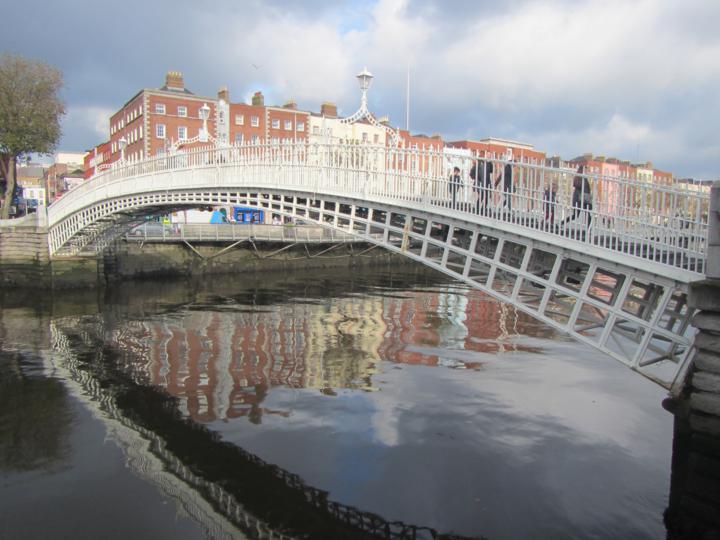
{"x": 607, "y": 259}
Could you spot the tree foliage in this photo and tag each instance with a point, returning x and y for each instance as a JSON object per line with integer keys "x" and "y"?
{"x": 30, "y": 113}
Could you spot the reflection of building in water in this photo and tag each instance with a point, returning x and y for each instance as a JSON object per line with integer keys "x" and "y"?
{"x": 468, "y": 320}
{"x": 222, "y": 364}
{"x": 410, "y": 320}
{"x": 343, "y": 339}
{"x": 452, "y": 331}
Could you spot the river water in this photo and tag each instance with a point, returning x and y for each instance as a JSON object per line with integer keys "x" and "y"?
{"x": 328, "y": 404}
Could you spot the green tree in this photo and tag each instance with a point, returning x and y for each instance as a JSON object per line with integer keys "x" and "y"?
{"x": 30, "y": 112}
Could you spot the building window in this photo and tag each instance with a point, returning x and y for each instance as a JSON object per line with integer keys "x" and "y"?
{"x": 316, "y": 130}
{"x": 364, "y": 137}
{"x": 182, "y": 133}
{"x": 274, "y": 140}
{"x": 160, "y": 131}
{"x": 255, "y": 121}
{"x": 239, "y": 119}
{"x": 255, "y": 139}
{"x": 182, "y": 111}
{"x": 239, "y": 138}
{"x": 300, "y": 126}
{"x": 288, "y": 125}
{"x": 376, "y": 138}
{"x": 159, "y": 108}
{"x": 276, "y": 124}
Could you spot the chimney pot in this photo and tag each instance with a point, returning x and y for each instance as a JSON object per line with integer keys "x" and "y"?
{"x": 328, "y": 109}
{"x": 174, "y": 79}
{"x": 258, "y": 99}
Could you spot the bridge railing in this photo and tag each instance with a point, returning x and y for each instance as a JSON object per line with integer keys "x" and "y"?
{"x": 663, "y": 223}
{"x": 231, "y": 232}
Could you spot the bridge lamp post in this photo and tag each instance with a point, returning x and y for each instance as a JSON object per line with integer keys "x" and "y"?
{"x": 204, "y": 115}
{"x": 122, "y": 143}
{"x": 365, "y": 80}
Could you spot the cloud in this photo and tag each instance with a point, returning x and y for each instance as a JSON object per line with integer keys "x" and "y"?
{"x": 90, "y": 120}
{"x": 566, "y": 75}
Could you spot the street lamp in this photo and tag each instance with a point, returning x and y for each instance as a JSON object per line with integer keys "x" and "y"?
{"x": 365, "y": 80}
{"x": 204, "y": 115}
{"x": 122, "y": 143}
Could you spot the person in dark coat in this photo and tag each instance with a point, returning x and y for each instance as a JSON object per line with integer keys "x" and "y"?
{"x": 581, "y": 196}
{"x": 454, "y": 184}
{"x": 507, "y": 181}
{"x": 549, "y": 203}
{"x": 481, "y": 174}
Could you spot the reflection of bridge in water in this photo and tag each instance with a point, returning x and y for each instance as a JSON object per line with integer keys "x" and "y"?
{"x": 614, "y": 275}
{"x": 218, "y": 484}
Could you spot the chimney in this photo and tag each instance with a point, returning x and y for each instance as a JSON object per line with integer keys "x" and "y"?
{"x": 258, "y": 99}
{"x": 328, "y": 109}
{"x": 384, "y": 120}
{"x": 174, "y": 80}
{"x": 224, "y": 94}
{"x": 290, "y": 104}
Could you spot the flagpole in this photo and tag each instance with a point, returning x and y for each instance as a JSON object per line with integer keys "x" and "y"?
{"x": 407, "y": 101}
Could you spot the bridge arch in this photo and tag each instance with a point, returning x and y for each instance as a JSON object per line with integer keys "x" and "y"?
{"x": 620, "y": 287}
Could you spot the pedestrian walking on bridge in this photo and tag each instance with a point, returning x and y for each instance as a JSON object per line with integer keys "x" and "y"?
{"x": 454, "y": 184}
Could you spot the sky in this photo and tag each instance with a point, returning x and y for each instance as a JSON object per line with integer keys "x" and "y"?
{"x": 633, "y": 79}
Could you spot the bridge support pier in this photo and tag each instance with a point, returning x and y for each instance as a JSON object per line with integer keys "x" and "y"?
{"x": 703, "y": 383}
{"x": 695, "y": 479}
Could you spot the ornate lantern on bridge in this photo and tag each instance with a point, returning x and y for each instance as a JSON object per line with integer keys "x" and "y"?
{"x": 122, "y": 143}
{"x": 204, "y": 115}
{"x": 365, "y": 80}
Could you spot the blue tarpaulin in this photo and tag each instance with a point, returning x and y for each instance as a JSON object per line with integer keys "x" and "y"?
{"x": 218, "y": 217}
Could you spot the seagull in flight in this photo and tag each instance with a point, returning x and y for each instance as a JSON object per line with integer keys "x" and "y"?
{"x": 255, "y": 66}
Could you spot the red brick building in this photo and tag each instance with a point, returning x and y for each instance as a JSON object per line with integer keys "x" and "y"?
{"x": 499, "y": 148}
{"x": 96, "y": 157}
{"x": 154, "y": 119}
{"x": 258, "y": 123}
{"x": 420, "y": 142}
{"x": 286, "y": 123}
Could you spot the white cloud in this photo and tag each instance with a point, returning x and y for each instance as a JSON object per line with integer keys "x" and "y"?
{"x": 89, "y": 118}
{"x": 566, "y": 75}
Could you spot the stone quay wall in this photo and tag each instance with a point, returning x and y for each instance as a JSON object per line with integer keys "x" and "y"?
{"x": 24, "y": 256}
{"x": 25, "y": 261}
{"x": 128, "y": 260}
